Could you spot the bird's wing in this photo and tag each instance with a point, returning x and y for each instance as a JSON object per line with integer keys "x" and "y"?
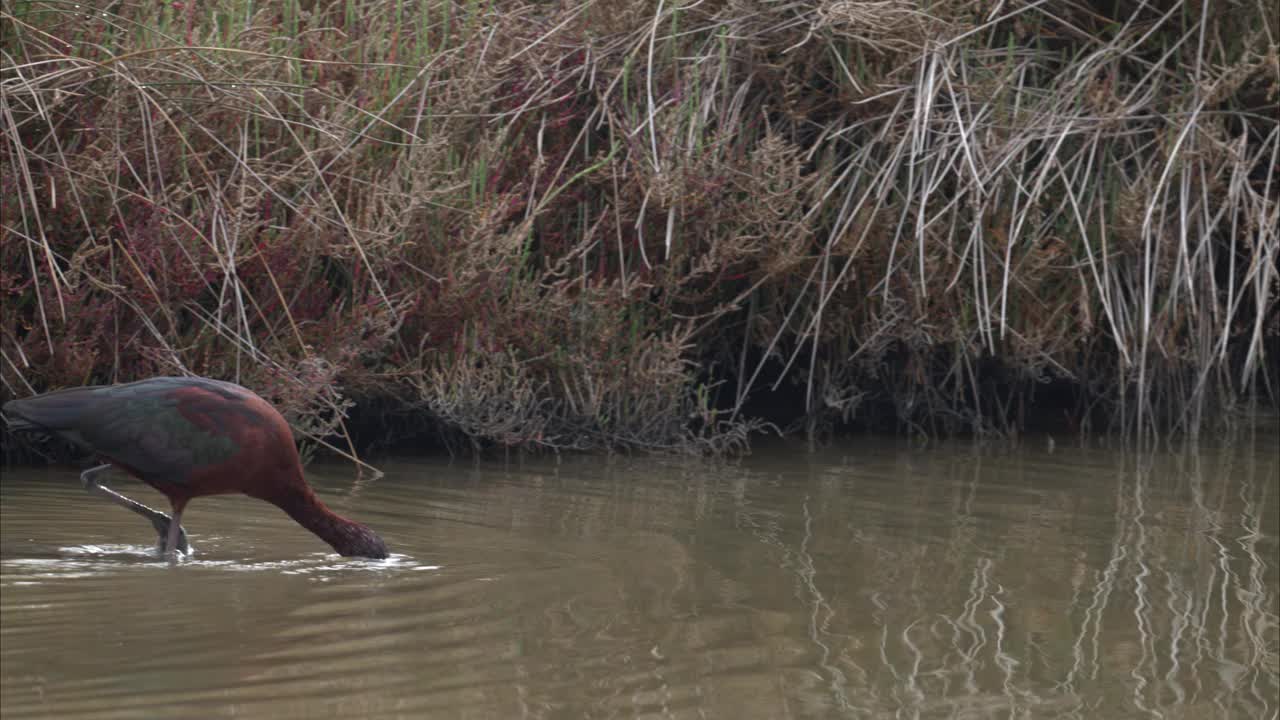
{"x": 140, "y": 425}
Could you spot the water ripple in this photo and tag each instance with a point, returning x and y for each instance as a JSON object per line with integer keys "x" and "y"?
{"x": 871, "y": 584}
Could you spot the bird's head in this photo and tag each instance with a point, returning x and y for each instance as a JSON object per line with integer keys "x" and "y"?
{"x": 359, "y": 541}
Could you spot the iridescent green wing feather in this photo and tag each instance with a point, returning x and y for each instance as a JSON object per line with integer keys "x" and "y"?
{"x": 140, "y": 425}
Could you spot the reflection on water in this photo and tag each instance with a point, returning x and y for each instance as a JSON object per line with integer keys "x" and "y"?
{"x": 864, "y": 582}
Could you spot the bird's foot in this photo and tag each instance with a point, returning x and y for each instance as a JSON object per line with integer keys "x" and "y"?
{"x": 161, "y": 523}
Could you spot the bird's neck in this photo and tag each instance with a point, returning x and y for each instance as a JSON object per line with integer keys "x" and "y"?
{"x": 305, "y": 508}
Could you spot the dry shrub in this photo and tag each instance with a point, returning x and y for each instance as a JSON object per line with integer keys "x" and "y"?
{"x": 612, "y": 224}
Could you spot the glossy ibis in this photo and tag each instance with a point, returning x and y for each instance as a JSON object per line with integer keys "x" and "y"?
{"x": 188, "y": 437}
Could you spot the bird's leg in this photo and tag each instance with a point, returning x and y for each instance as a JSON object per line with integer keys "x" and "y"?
{"x": 161, "y": 522}
{"x": 177, "y": 539}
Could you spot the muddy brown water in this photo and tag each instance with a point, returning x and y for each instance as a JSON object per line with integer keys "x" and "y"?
{"x": 872, "y": 580}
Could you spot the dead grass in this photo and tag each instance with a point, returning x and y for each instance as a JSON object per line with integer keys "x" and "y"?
{"x": 612, "y": 224}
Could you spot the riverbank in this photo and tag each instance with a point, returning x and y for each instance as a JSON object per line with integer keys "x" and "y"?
{"x": 643, "y": 226}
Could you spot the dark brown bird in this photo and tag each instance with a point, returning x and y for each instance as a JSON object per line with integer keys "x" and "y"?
{"x": 188, "y": 437}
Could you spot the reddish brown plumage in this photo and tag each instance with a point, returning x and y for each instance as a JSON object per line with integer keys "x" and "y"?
{"x": 267, "y": 461}
{"x": 191, "y": 437}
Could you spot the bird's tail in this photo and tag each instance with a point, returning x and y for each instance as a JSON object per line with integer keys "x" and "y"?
{"x": 51, "y": 411}
{"x": 16, "y": 423}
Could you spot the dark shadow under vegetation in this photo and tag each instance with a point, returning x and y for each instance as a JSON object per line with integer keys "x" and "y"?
{"x": 649, "y": 225}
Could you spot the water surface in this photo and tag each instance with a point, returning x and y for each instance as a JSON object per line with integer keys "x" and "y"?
{"x": 873, "y": 580}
